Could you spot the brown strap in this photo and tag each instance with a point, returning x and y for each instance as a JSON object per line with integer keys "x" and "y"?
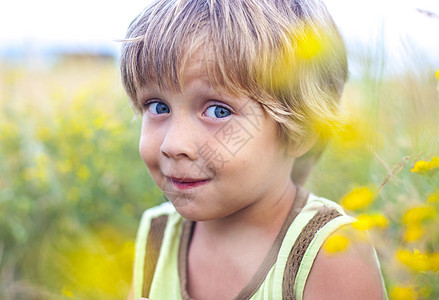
{"x": 152, "y": 251}
{"x": 321, "y": 218}
{"x": 258, "y": 278}
{"x": 186, "y": 236}
{"x": 255, "y": 282}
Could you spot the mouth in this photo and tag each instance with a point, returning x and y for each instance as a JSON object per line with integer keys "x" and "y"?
{"x": 186, "y": 183}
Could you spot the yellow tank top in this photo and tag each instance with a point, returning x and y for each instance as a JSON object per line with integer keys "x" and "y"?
{"x": 163, "y": 238}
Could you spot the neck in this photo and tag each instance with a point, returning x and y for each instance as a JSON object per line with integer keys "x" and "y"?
{"x": 263, "y": 217}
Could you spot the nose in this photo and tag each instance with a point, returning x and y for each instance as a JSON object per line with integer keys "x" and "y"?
{"x": 180, "y": 140}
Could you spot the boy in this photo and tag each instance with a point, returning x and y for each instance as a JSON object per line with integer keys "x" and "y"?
{"x": 231, "y": 93}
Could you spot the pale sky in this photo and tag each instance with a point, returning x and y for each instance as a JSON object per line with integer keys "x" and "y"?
{"x": 397, "y": 23}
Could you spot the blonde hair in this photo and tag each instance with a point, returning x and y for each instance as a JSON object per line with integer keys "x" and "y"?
{"x": 285, "y": 54}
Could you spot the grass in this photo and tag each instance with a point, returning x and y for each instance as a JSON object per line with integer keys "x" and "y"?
{"x": 72, "y": 185}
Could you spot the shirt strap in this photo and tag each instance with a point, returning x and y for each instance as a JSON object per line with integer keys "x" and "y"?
{"x": 323, "y": 216}
{"x": 152, "y": 251}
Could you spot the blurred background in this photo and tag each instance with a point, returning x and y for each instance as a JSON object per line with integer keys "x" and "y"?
{"x": 72, "y": 185}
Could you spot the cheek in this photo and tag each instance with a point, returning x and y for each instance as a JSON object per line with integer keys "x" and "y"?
{"x": 149, "y": 148}
{"x": 263, "y": 153}
{"x": 143, "y": 149}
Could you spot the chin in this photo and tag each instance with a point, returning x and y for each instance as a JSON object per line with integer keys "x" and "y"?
{"x": 191, "y": 213}
{"x": 191, "y": 216}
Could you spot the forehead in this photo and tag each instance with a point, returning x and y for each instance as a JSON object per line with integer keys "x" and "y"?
{"x": 203, "y": 63}
{"x": 192, "y": 72}
{"x": 200, "y": 64}
{"x": 196, "y": 66}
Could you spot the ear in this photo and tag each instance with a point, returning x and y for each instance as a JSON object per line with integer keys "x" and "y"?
{"x": 303, "y": 165}
{"x": 298, "y": 149}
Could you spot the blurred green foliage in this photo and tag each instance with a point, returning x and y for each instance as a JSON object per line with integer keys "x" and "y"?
{"x": 391, "y": 133}
{"x": 72, "y": 185}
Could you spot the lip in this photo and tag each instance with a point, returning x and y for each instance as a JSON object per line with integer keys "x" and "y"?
{"x": 187, "y": 183}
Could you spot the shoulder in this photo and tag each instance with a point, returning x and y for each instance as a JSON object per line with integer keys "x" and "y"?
{"x": 345, "y": 268}
{"x": 315, "y": 202}
{"x": 154, "y": 220}
{"x": 155, "y": 233}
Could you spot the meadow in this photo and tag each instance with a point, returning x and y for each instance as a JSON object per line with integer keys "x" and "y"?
{"x": 72, "y": 185}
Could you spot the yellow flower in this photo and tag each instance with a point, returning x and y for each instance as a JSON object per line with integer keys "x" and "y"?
{"x": 365, "y": 221}
{"x": 326, "y": 129}
{"x": 403, "y": 293}
{"x": 309, "y": 44}
{"x": 67, "y": 292}
{"x": 39, "y": 171}
{"x": 434, "y": 261}
{"x": 100, "y": 264}
{"x": 413, "y": 233}
{"x": 83, "y": 173}
{"x": 336, "y": 243}
{"x": 9, "y": 131}
{"x": 419, "y": 262}
{"x": 100, "y": 120}
{"x": 358, "y": 198}
{"x": 422, "y": 166}
{"x": 437, "y": 74}
{"x": 418, "y": 214}
{"x": 413, "y": 218}
{"x": 305, "y": 44}
{"x": 434, "y": 197}
{"x": 43, "y": 133}
{"x": 64, "y": 166}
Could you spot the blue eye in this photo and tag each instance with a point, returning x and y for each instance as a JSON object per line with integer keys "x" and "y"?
{"x": 216, "y": 111}
{"x": 158, "y": 108}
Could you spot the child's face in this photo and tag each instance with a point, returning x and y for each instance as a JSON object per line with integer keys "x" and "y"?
{"x": 212, "y": 155}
